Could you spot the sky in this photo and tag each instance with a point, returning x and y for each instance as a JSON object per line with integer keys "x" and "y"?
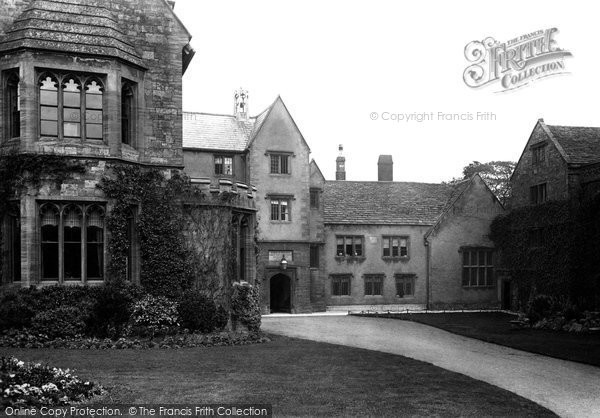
{"x": 339, "y": 65}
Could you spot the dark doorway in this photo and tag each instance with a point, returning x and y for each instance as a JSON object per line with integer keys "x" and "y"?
{"x": 280, "y": 293}
{"x": 506, "y": 295}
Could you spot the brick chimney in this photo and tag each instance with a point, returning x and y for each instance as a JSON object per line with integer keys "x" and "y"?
{"x": 240, "y": 104}
{"x": 340, "y": 165}
{"x": 385, "y": 167}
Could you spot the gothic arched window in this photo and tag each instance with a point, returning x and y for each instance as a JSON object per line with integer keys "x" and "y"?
{"x": 13, "y": 105}
{"x": 68, "y": 100}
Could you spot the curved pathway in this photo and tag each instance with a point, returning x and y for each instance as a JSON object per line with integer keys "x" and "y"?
{"x": 567, "y": 388}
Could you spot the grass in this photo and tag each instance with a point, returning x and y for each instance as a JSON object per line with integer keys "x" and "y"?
{"x": 495, "y": 327}
{"x": 298, "y": 377}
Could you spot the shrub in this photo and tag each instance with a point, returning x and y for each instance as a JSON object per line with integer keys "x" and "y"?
{"x": 245, "y": 305}
{"x": 540, "y": 307}
{"x": 221, "y": 318}
{"x": 64, "y": 322}
{"x": 197, "y": 312}
{"x": 155, "y": 314}
{"x": 112, "y": 309}
{"x": 15, "y": 312}
{"x": 33, "y": 385}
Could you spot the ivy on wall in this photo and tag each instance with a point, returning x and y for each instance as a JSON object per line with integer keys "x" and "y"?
{"x": 20, "y": 171}
{"x": 185, "y": 237}
{"x": 542, "y": 248}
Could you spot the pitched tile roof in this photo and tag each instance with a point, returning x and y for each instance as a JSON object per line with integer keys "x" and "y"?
{"x": 220, "y": 132}
{"x": 77, "y": 26}
{"x": 581, "y": 144}
{"x": 387, "y": 203}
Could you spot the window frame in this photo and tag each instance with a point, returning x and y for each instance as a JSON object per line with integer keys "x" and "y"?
{"x": 11, "y": 82}
{"x": 489, "y": 279}
{"x": 374, "y": 282}
{"x": 314, "y": 256}
{"x": 344, "y": 252}
{"x": 280, "y": 156}
{"x": 538, "y": 154}
{"x": 85, "y": 208}
{"x": 84, "y": 80}
{"x": 390, "y": 239}
{"x": 129, "y": 132}
{"x": 401, "y": 280}
{"x": 538, "y": 193}
{"x": 277, "y": 200}
{"x": 337, "y": 285}
{"x": 10, "y": 246}
{"x": 223, "y": 157}
{"x": 315, "y": 198}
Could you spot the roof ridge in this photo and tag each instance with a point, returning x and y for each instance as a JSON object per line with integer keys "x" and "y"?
{"x": 391, "y": 182}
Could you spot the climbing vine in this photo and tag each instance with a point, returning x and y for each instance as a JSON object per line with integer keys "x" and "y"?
{"x": 185, "y": 237}
{"x": 542, "y": 246}
{"x": 18, "y": 171}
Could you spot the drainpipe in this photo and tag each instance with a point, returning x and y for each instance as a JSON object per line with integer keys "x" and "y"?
{"x": 427, "y": 268}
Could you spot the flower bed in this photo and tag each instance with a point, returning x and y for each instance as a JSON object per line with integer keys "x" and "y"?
{"x": 33, "y": 385}
{"x": 23, "y": 339}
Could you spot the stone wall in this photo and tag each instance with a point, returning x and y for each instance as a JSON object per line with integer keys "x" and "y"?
{"x": 553, "y": 172}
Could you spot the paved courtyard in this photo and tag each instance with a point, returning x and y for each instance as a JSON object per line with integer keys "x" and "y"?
{"x": 567, "y": 388}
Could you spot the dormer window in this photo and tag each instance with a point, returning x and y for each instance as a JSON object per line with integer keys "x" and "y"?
{"x": 71, "y": 106}
{"x": 13, "y": 106}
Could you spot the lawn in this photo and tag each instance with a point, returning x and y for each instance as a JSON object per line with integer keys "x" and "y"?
{"x": 495, "y": 327}
{"x": 298, "y": 377}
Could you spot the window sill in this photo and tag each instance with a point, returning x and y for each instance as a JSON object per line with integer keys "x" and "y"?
{"x": 281, "y": 222}
{"x": 395, "y": 259}
{"x": 492, "y": 286}
{"x": 358, "y": 259}
{"x": 280, "y": 174}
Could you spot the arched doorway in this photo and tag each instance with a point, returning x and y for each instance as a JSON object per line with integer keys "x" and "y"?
{"x": 280, "y": 293}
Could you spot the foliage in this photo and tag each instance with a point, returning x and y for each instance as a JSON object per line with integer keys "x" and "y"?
{"x": 165, "y": 260}
{"x": 542, "y": 246}
{"x": 19, "y": 307}
{"x": 496, "y": 175}
{"x": 540, "y": 307}
{"x": 198, "y": 312}
{"x": 26, "y": 339}
{"x": 112, "y": 309}
{"x": 64, "y": 321}
{"x": 221, "y": 318}
{"x": 20, "y": 170}
{"x": 34, "y": 385}
{"x": 157, "y": 314}
{"x": 245, "y": 305}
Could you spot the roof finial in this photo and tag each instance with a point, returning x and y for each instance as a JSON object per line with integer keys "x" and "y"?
{"x": 240, "y": 104}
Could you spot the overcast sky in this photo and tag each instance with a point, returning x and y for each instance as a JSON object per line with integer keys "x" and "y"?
{"x": 334, "y": 63}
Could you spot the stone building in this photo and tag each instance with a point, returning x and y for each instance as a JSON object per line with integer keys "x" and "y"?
{"x": 557, "y": 163}
{"x": 402, "y": 243}
{"x": 98, "y": 82}
{"x": 268, "y": 155}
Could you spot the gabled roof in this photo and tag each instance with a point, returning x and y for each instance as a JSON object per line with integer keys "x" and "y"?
{"x": 218, "y": 132}
{"x": 387, "y": 203}
{"x": 581, "y": 144}
{"x": 315, "y": 168}
{"x": 77, "y": 26}
{"x": 225, "y": 132}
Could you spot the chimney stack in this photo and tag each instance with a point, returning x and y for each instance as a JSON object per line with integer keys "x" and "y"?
{"x": 340, "y": 165}
{"x": 240, "y": 104}
{"x": 385, "y": 167}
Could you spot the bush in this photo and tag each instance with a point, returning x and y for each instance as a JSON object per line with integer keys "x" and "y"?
{"x": 154, "y": 314}
{"x": 64, "y": 322}
{"x": 112, "y": 309}
{"x": 197, "y": 312}
{"x": 221, "y": 318}
{"x": 15, "y": 312}
{"x": 245, "y": 305}
{"x": 33, "y": 385}
{"x": 540, "y": 307}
